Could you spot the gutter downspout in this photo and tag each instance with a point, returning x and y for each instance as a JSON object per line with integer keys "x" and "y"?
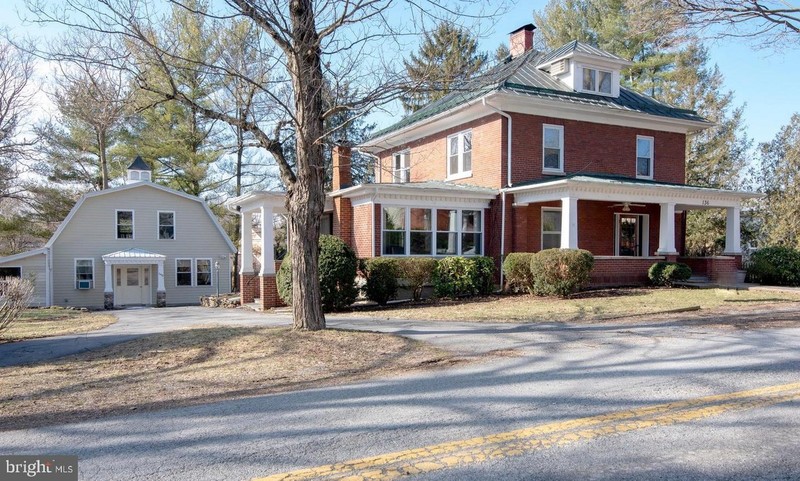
{"x": 503, "y": 190}
{"x": 48, "y": 286}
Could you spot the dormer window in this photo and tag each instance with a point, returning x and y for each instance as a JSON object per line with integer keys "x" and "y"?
{"x": 596, "y": 81}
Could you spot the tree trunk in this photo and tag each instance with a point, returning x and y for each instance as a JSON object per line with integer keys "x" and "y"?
{"x": 237, "y": 193}
{"x": 306, "y": 195}
{"x": 101, "y": 145}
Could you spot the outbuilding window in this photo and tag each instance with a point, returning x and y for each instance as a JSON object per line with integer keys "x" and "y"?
{"x": 124, "y": 224}
{"x": 84, "y": 273}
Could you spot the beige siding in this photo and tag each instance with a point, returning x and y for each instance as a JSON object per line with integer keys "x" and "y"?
{"x": 91, "y": 233}
{"x": 33, "y": 267}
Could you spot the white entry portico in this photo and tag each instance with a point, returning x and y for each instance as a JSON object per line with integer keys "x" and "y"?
{"x": 129, "y": 278}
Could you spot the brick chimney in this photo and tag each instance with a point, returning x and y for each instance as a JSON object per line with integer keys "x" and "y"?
{"x": 521, "y": 40}
{"x": 342, "y": 169}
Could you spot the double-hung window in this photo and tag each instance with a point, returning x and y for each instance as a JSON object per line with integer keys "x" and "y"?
{"x": 124, "y": 224}
{"x": 84, "y": 273}
{"x": 459, "y": 155}
{"x": 401, "y": 167}
{"x": 183, "y": 272}
{"x": 424, "y": 232}
{"x": 551, "y": 228}
{"x": 202, "y": 272}
{"x": 644, "y": 157}
{"x": 596, "y": 81}
{"x": 166, "y": 225}
{"x": 553, "y": 149}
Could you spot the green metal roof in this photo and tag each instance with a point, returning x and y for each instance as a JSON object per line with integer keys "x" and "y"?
{"x": 520, "y": 76}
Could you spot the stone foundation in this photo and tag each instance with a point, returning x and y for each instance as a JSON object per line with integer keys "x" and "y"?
{"x": 161, "y": 299}
{"x": 108, "y": 300}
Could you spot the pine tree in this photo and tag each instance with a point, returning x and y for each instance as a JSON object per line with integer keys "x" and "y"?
{"x": 447, "y": 57}
{"x": 778, "y": 176}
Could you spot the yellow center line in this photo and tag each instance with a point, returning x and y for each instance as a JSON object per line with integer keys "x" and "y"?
{"x": 517, "y": 442}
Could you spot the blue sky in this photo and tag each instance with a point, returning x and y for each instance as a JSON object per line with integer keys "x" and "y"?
{"x": 764, "y": 80}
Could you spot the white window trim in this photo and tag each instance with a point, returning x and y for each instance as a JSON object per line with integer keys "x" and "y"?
{"x": 433, "y": 231}
{"x": 597, "y": 71}
{"x": 196, "y": 271}
{"x": 560, "y": 128}
{"x": 645, "y": 219}
{"x": 21, "y": 271}
{"x": 405, "y": 156}
{"x": 652, "y": 157}
{"x": 116, "y": 224}
{"x": 75, "y": 272}
{"x": 462, "y": 174}
{"x": 191, "y": 269}
{"x": 541, "y": 225}
{"x": 174, "y": 225}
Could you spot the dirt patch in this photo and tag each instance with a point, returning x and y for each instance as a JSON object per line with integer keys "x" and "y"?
{"x": 36, "y": 323}
{"x": 773, "y": 316}
{"x": 199, "y": 366}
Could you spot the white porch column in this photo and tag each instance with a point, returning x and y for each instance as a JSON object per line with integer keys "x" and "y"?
{"x": 267, "y": 242}
{"x": 569, "y": 223}
{"x": 666, "y": 233}
{"x": 109, "y": 283}
{"x": 246, "y": 254}
{"x": 733, "y": 234}
{"x": 160, "y": 277}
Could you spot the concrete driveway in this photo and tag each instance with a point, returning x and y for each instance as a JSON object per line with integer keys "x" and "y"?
{"x": 133, "y": 323}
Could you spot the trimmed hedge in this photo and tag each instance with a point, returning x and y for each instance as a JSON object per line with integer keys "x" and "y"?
{"x": 381, "y": 274}
{"x": 777, "y": 266}
{"x": 560, "y": 271}
{"x": 337, "y": 273}
{"x": 517, "y": 270}
{"x": 417, "y": 272}
{"x": 668, "y": 273}
{"x": 463, "y": 276}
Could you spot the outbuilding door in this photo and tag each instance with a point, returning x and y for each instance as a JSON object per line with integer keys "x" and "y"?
{"x": 132, "y": 285}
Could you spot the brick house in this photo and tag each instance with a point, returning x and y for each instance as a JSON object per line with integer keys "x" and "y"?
{"x": 544, "y": 150}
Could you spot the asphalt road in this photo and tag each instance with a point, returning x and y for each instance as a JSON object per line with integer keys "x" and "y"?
{"x": 569, "y": 402}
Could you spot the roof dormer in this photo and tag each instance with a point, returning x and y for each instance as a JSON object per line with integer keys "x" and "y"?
{"x": 585, "y": 68}
{"x": 139, "y": 171}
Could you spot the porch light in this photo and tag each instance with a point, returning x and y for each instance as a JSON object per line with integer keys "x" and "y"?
{"x": 216, "y": 267}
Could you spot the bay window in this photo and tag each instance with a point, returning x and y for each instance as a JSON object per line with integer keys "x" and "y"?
{"x": 425, "y": 231}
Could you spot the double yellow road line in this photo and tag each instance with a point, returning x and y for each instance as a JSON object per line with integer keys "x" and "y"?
{"x": 522, "y": 441}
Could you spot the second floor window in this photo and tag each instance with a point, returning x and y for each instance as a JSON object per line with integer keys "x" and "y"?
{"x": 553, "y": 148}
{"x": 644, "y": 157}
{"x": 124, "y": 224}
{"x": 401, "y": 167}
{"x": 166, "y": 225}
{"x": 459, "y": 154}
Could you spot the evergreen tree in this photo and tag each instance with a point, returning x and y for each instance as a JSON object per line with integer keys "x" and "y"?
{"x": 447, "y": 57}
{"x": 182, "y": 144}
{"x": 778, "y": 176}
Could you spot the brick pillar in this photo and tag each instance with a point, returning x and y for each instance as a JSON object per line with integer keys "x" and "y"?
{"x": 342, "y": 208}
{"x": 248, "y": 288}
{"x": 269, "y": 292}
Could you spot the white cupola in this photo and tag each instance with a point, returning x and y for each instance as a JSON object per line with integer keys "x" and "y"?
{"x": 139, "y": 171}
{"x": 585, "y": 69}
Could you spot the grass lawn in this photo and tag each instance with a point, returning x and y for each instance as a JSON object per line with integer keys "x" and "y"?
{"x": 197, "y": 366}
{"x": 586, "y": 306}
{"x": 54, "y": 322}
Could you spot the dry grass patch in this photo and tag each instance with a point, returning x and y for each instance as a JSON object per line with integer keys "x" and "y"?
{"x": 35, "y": 323}
{"x": 198, "y": 366}
{"x": 589, "y": 306}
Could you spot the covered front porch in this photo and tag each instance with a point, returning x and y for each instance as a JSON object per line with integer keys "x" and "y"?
{"x": 128, "y": 278}
{"x": 627, "y": 224}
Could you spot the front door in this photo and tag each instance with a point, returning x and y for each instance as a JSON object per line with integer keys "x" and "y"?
{"x": 631, "y": 235}
{"x": 132, "y": 285}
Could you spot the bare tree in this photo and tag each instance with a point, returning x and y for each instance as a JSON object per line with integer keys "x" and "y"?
{"x": 16, "y": 71}
{"x": 306, "y": 42}
{"x": 771, "y": 22}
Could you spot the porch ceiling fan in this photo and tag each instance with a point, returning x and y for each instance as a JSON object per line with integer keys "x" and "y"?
{"x": 626, "y": 206}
